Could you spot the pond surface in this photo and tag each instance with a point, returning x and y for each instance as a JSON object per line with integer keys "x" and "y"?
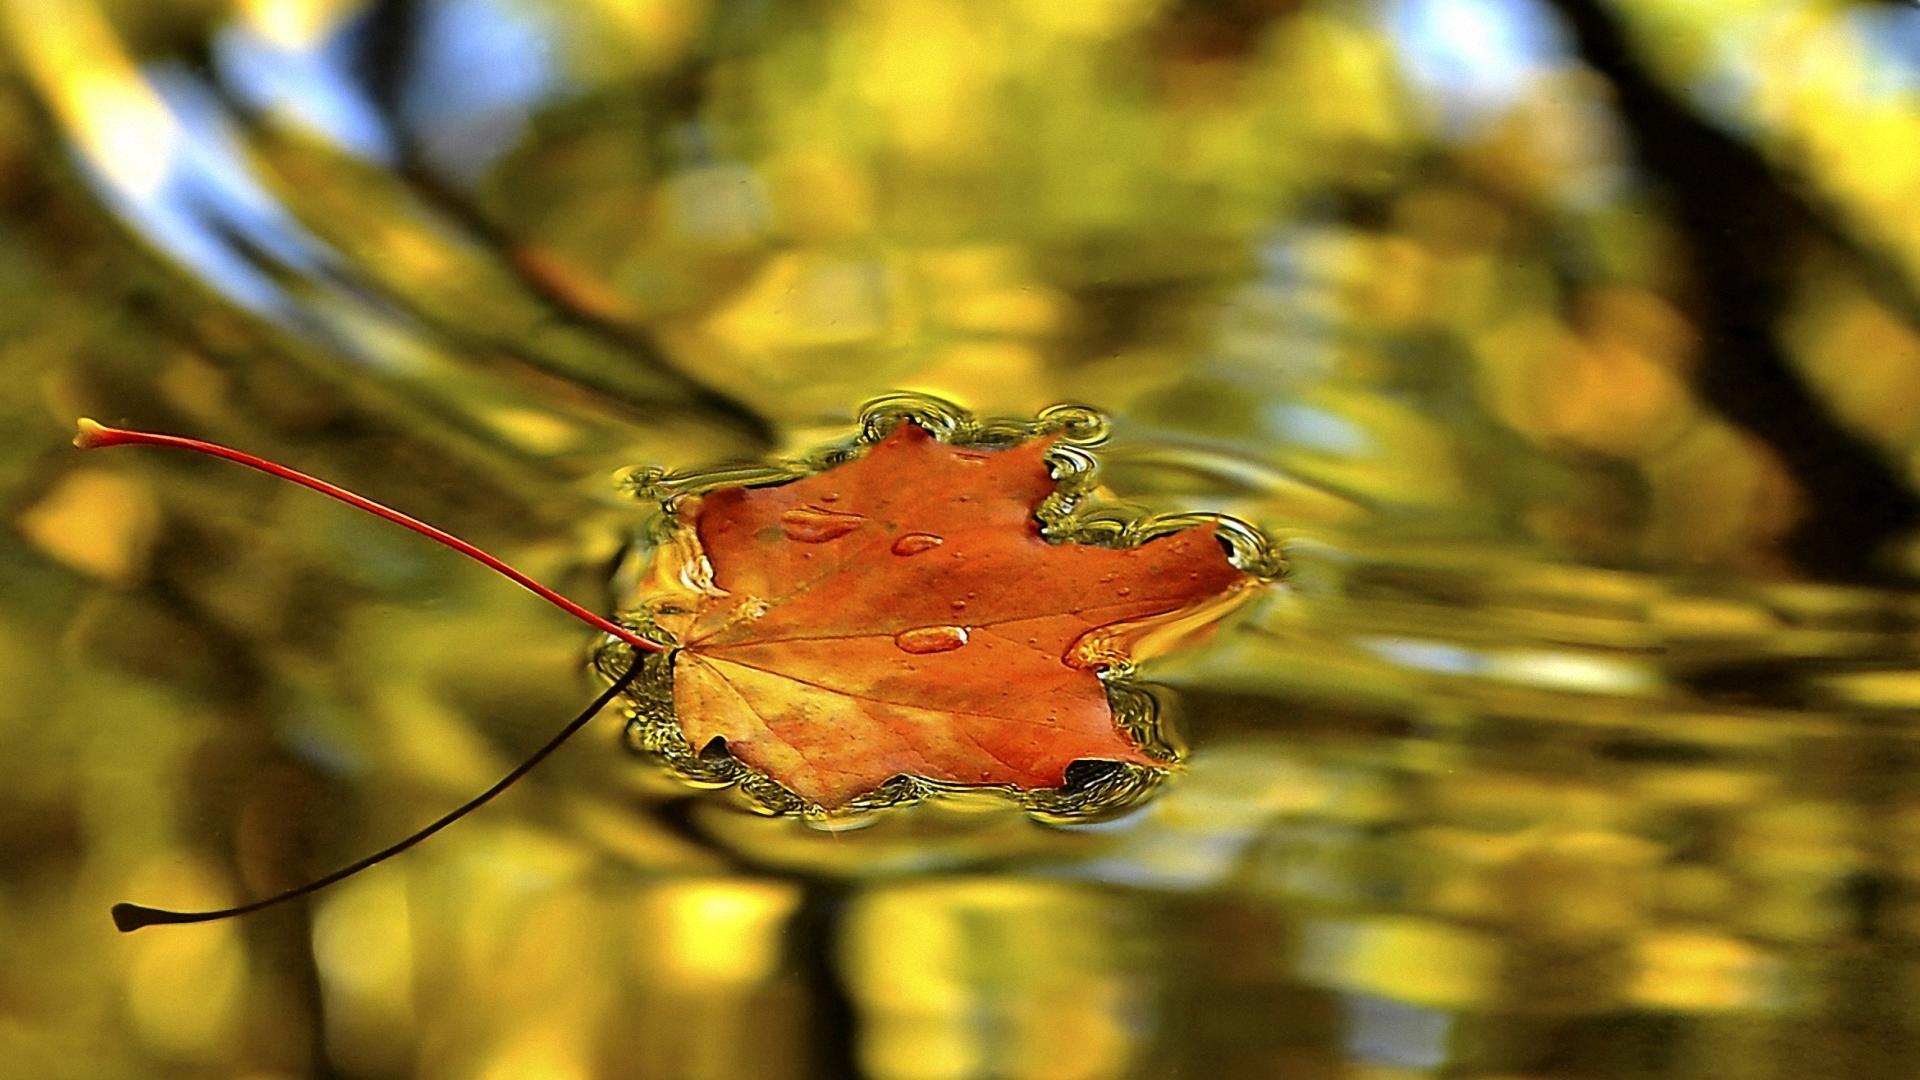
{"x": 1570, "y": 352}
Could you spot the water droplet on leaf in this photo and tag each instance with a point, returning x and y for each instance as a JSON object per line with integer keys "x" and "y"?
{"x": 915, "y": 543}
{"x": 931, "y": 639}
{"x": 811, "y": 525}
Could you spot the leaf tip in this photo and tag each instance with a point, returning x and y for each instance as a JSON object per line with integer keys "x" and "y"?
{"x": 90, "y": 433}
{"x": 130, "y": 917}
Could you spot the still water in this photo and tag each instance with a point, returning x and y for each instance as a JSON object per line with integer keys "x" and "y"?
{"x": 1567, "y": 351}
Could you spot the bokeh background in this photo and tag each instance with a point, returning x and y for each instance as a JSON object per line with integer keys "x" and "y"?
{"x": 1572, "y": 348}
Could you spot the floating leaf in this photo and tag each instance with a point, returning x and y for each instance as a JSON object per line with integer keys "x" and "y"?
{"x": 898, "y": 614}
{"x": 904, "y": 613}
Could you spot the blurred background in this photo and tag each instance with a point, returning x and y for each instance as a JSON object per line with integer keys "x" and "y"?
{"x": 1571, "y": 347}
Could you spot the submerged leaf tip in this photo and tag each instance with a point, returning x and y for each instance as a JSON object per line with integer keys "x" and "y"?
{"x": 130, "y": 917}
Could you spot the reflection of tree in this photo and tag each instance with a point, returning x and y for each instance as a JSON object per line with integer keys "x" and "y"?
{"x": 388, "y": 40}
{"x": 1746, "y": 229}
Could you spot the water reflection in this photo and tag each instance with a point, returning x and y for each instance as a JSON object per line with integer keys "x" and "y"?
{"x": 298, "y": 64}
{"x": 1476, "y": 59}
{"x": 1563, "y": 754}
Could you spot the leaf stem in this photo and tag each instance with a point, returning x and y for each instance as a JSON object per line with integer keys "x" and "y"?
{"x": 93, "y": 435}
{"x": 131, "y": 917}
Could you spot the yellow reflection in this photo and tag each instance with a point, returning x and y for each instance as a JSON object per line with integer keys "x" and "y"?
{"x": 623, "y": 35}
{"x": 535, "y": 1001}
{"x": 1556, "y": 670}
{"x": 1339, "y": 79}
{"x": 1863, "y": 358}
{"x": 1878, "y": 689}
{"x": 927, "y": 73}
{"x": 1088, "y": 18}
{"x": 363, "y": 946}
{"x": 541, "y": 1052}
{"x": 716, "y": 933}
{"x": 502, "y": 875}
{"x": 1701, "y": 971}
{"x": 183, "y": 989}
{"x": 295, "y": 24}
{"x": 540, "y": 432}
{"x": 1418, "y": 961}
{"x": 97, "y": 522}
{"x": 118, "y": 123}
{"x": 813, "y": 302}
{"x": 1010, "y": 375}
{"x": 819, "y": 197}
{"x": 1601, "y": 391}
{"x": 1712, "y": 617}
{"x": 1037, "y": 963}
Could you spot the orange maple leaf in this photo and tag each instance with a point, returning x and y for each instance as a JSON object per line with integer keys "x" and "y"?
{"x": 903, "y": 614}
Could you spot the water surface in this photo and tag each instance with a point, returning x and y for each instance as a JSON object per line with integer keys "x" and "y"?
{"x": 1569, "y": 351}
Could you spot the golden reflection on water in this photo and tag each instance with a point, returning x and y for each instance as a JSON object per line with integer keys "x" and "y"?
{"x": 1581, "y": 743}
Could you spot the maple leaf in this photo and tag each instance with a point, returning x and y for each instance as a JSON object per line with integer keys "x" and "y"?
{"x": 902, "y": 613}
